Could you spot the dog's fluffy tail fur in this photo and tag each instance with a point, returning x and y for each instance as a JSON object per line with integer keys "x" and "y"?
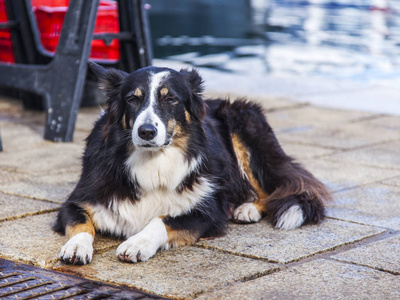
{"x": 287, "y": 195}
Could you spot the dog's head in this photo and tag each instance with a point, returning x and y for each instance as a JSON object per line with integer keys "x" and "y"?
{"x": 156, "y": 104}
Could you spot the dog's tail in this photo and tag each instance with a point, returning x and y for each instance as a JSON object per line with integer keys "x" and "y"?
{"x": 288, "y": 195}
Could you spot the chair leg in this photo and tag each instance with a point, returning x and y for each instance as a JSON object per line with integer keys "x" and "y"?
{"x": 67, "y": 71}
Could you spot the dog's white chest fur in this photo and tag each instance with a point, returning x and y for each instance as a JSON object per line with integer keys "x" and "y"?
{"x": 162, "y": 169}
{"x": 158, "y": 176}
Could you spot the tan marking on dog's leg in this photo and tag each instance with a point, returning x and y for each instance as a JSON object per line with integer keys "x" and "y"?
{"x": 79, "y": 248}
{"x": 243, "y": 157}
{"x": 88, "y": 227}
{"x": 179, "y": 238}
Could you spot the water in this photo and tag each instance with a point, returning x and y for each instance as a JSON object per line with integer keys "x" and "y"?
{"x": 357, "y": 39}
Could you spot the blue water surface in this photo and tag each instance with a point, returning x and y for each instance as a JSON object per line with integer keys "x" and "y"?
{"x": 357, "y": 39}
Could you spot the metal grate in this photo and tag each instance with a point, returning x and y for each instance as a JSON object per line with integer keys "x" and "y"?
{"x": 19, "y": 281}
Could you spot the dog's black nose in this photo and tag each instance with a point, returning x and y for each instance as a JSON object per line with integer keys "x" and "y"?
{"x": 147, "y": 132}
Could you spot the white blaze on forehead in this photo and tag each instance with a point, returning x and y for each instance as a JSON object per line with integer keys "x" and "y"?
{"x": 155, "y": 82}
{"x": 148, "y": 115}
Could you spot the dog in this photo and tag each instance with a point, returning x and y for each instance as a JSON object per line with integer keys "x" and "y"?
{"x": 163, "y": 168}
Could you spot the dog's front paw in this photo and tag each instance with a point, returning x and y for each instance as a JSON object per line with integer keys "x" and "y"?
{"x": 246, "y": 213}
{"x": 78, "y": 250}
{"x": 137, "y": 248}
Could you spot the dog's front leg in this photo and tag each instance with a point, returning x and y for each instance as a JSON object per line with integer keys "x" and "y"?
{"x": 163, "y": 232}
{"x": 145, "y": 244}
{"x": 79, "y": 248}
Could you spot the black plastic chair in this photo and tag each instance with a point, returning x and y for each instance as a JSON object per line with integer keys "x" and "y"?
{"x": 59, "y": 79}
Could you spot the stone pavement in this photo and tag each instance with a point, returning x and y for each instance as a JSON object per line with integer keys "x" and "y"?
{"x": 353, "y": 254}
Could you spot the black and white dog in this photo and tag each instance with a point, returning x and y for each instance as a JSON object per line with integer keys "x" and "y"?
{"x": 163, "y": 168}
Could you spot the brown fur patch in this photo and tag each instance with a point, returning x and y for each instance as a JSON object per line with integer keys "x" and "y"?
{"x": 180, "y": 138}
{"x": 243, "y": 157}
{"x": 178, "y": 238}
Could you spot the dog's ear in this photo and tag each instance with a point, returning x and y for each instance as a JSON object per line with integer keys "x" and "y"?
{"x": 110, "y": 81}
{"x": 197, "y": 106}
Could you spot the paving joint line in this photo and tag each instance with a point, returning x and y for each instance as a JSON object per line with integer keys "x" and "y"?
{"x": 242, "y": 279}
{"x": 344, "y": 150}
{"x": 363, "y": 265}
{"x": 367, "y": 118}
{"x": 361, "y": 147}
{"x": 31, "y": 197}
{"x": 363, "y": 224}
{"x": 363, "y": 185}
{"x": 283, "y": 108}
{"x": 213, "y": 248}
{"x": 23, "y": 216}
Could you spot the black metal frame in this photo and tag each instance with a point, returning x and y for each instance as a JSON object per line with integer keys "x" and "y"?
{"x": 59, "y": 79}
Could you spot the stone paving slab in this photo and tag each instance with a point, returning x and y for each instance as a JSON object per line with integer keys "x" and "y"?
{"x": 179, "y": 273}
{"x": 320, "y": 279}
{"x": 312, "y": 116}
{"x": 376, "y": 205}
{"x": 273, "y": 103}
{"x": 261, "y": 240}
{"x": 381, "y": 255}
{"x": 52, "y": 187}
{"x": 21, "y": 128}
{"x": 302, "y": 152}
{"x": 268, "y": 103}
{"x": 386, "y": 122}
{"x": 49, "y": 157}
{"x": 346, "y": 137}
{"x": 376, "y": 96}
{"x": 13, "y": 110}
{"x": 20, "y": 137}
{"x": 15, "y": 206}
{"x": 31, "y": 240}
{"x": 382, "y": 156}
{"x": 86, "y": 118}
{"x": 339, "y": 176}
{"x": 394, "y": 181}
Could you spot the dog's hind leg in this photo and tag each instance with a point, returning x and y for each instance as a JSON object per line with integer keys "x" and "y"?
{"x": 288, "y": 195}
{"x": 77, "y": 225}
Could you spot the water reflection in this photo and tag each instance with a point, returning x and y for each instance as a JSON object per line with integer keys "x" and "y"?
{"x": 340, "y": 38}
{"x": 358, "y": 39}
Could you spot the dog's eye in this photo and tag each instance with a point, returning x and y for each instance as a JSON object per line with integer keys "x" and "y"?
{"x": 169, "y": 99}
{"x": 133, "y": 100}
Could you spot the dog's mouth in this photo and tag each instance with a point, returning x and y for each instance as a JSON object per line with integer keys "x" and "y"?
{"x": 154, "y": 147}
